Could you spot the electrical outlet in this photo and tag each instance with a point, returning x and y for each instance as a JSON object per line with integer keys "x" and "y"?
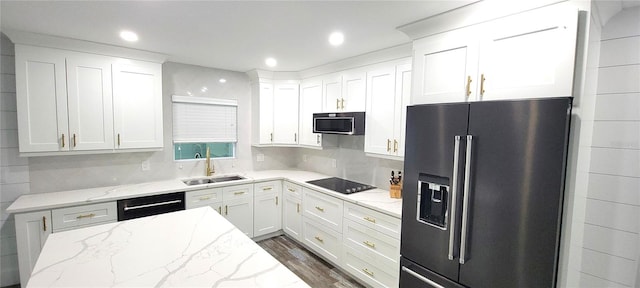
{"x": 260, "y": 158}
{"x": 305, "y": 158}
{"x": 146, "y": 165}
{"x": 334, "y": 163}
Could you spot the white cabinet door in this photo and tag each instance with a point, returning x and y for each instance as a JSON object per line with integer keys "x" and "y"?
{"x": 445, "y": 67}
{"x": 354, "y": 90}
{"x": 240, "y": 213}
{"x": 529, "y": 55}
{"x": 292, "y": 217}
{"x": 32, "y": 230}
{"x": 89, "y": 102}
{"x": 266, "y": 113}
{"x": 310, "y": 102}
{"x": 137, "y": 105}
{"x": 380, "y": 110}
{"x": 267, "y": 204}
{"x": 285, "y": 114}
{"x": 332, "y": 93}
{"x": 42, "y": 99}
{"x": 403, "y": 97}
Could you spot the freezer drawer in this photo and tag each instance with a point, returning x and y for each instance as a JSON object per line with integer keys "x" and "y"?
{"x": 413, "y": 275}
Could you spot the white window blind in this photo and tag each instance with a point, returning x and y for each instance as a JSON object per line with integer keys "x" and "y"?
{"x": 199, "y": 119}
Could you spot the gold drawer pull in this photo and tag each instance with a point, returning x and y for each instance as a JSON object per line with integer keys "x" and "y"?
{"x": 298, "y": 207}
{"x": 370, "y": 219}
{"x": 319, "y": 239}
{"x": 63, "y": 140}
{"x": 365, "y": 270}
{"x": 291, "y": 190}
{"x": 86, "y": 216}
{"x": 276, "y": 200}
{"x": 220, "y": 210}
{"x": 388, "y": 145}
{"x": 238, "y": 193}
{"x": 205, "y": 198}
{"x": 267, "y": 188}
{"x": 44, "y": 223}
{"x": 372, "y": 245}
{"x": 74, "y": 140}
{"x": 320, "y": 209}
{"x": 468, "y": 86}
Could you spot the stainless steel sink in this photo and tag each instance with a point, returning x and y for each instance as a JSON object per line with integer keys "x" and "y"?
{"x": 201, "y": 181}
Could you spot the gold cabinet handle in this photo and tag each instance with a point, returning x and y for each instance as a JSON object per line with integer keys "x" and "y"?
{"x": 291, "y": 190}
{"x": 204, "y": 198}
{"x": 370, "y": 273}
{"x": 319, "y": 239}
{"x": 44, "y": 223}
{"x": 298, "y": 207}
{"x": 271, "y": 137}
{"x": 370, "y": 219}
{"x": 395, "y": 145}
{"x": 276, "y": 200}
{"x": 388, "y": 145}
{"x": 295, "y": 137}
{"x": 62, "y": 140}
{"x": 267, "y": 188}
{"x": 317, "y": 139}
{"x": 482, "y": 79}
{"x": 320, "y": 209}
{"x": 86, "y": 216}
{"x": 238, "y": 193}
{"x": 226, "y": 210}
{"x": 220, "y": 210}
{"x": 342, "y": 103}
{"x": 337, "y": 104}
{"x": 372, "y": 245}
{"x": 74, "y": 140}
{"x": 118, "y": 139}
{"x": 468, "y": 86}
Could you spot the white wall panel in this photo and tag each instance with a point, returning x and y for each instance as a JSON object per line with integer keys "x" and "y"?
{"x": 8, "y": 138}
{"x": 7, "y": 229}
{"x": 589, "y": 281}
{"x": 622, "y": 51}
{"x": 613, "y": 215}
{"x": 7, "y": 64}
{"x": 8, "y": 101}
{"x": 8, "y": 120}
{"x": 619, "y": 79}
{"x": 614, "y": 242}
{"x": 616, "y": 134}
{"x": 8, "y": 83}
{"x": 623, "y": 162}
{"x": 609, "y": 267}
{"x": 9, "y": 274}
{"x": 11, "y": 192}
{"x": 14, "y": 174}
{"x": 614, "y": 188}
{"x": 618, "y": 106}
{"x": 10, "y": 157}
{"x": 8, "y": 246}
{"x": 624, "y": 24}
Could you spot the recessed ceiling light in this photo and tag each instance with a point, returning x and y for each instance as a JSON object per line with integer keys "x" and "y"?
{"x": 336, "y": 38}
{"x": 222, "y": 80}
{"x": 271, "y": 62}
{"x": 129, "y": 36}
{"x": 204, "y": 89}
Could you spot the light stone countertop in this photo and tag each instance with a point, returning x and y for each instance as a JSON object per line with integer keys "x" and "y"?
{"x": 190, "y": 248}
{"x": 376, "y": 199}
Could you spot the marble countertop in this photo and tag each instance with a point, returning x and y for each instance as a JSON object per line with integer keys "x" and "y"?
{"x": 198, "y": 248}
{"x": 376, "y": 199}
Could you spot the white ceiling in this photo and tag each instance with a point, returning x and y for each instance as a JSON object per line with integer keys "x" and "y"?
{"x": 232, "y": 35}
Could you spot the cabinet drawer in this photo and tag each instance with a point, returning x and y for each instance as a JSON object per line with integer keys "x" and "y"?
{"x": 373, "y": 219}
{"x": 201, "y": 198}
{"x": 325, "y": 209}
{"x": 360, "y": 265}
{"x": 322, "y": 240}
{"x": 269, "y": 187}
{"x": 73, "y": 217}
{"x": 237, "y": 192}
{"x": 384, "y": 249}
{"x": 292, "y": 189}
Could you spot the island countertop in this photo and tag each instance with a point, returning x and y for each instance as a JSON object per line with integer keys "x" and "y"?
{"x": 190, "y": 248}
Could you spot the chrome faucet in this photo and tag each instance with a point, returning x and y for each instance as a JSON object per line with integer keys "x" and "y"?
{"x": 209, "y": 167}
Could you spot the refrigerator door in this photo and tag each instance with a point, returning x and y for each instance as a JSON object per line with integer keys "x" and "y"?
{"x": 515, "y": 194}
{"x": 429, "y": 164}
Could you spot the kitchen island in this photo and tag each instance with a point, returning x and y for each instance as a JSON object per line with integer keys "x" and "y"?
{"x": 190, "y": 248}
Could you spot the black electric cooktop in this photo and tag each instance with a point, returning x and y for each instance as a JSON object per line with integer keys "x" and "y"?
{"x": 341, "y": 185}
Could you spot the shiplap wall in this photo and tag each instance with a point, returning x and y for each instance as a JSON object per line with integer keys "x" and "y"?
{"x": 14, "y": 170}
{"x": 611, "y": 246}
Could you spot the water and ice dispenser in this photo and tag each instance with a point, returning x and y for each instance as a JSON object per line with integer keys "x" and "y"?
{"x": 433, "y": 203}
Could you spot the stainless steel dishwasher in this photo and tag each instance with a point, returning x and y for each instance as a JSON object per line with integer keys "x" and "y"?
{"x": 150, "y": 205}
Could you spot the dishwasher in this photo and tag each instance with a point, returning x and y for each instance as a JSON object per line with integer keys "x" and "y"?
{"x": 132, "y": 208}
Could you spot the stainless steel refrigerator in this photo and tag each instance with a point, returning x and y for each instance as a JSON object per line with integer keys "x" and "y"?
{"x": 482, "y": 193}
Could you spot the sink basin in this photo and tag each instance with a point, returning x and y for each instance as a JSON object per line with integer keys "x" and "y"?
{"x": 201, "y": 181}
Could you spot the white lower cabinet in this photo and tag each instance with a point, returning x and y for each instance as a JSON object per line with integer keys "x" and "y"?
{"x": 267, "y": 206}
{"x": 292, "y": 210}
{"x": 322, "y": 240}
{"x": 32, "y": 230}
{"x": 363, "y": 266}
{"x": 238, "y": 207}
{"x": 206, "y": 197}
{"x": 322, "y": 208}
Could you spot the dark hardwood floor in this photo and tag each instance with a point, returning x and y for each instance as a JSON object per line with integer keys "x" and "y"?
{"x": 316, "y": 272}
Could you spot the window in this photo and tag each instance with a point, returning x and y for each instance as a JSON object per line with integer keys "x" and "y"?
{"x": 200, "y": 123}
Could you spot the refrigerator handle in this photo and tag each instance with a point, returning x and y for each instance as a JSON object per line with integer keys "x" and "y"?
{"x": 421, "y": 278}
{"x": 465, "y": 201}
{"x": 454, "y": 192}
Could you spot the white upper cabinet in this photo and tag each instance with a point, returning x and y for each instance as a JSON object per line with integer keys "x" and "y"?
{"x": 354, "y": 85}
{"x": 265, "y": 99}
{"x": 332, "y": 92}
{"x": 70, "y": 101}
{"x": 310, "y": 102}
{"x": 42, "y": 99}
{"x": 527, "y": 55}
{"x": 388, "y": 94}
{"x": 285, "y": 113}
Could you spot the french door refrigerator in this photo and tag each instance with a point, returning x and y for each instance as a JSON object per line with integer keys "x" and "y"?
{"x": 483, "y": 193}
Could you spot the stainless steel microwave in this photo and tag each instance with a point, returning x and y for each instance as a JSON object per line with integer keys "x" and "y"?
{"x": 346, "y": 123}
